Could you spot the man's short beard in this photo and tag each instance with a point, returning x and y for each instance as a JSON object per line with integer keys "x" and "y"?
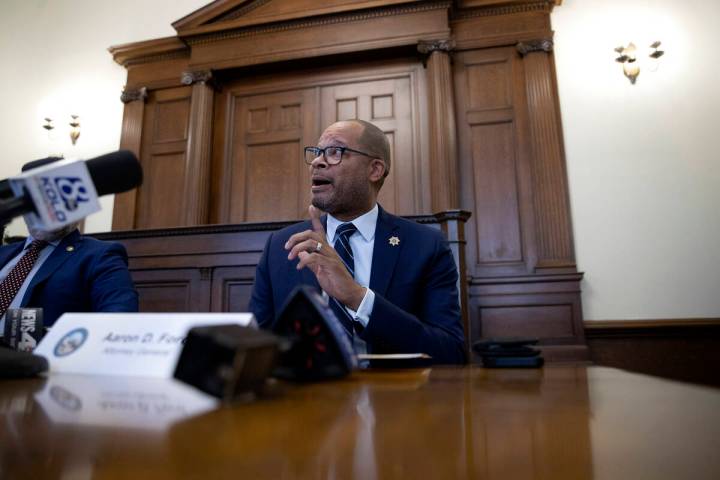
{"x": 326, "y": 207}
{"x": 344, "y": 202}
{"x": 54, "y": 235}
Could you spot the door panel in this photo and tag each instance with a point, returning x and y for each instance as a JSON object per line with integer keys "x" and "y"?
{"x": 264, "y": 123}
{"x": 495, "y": 160}
{"x": 268, "y": 179}
{"x": 164, "y": 158}
{"x": 232, "y": 288}
{"x": 172, "y": 290}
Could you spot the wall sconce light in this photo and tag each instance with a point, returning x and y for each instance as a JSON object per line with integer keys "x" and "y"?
{"x": 630, "y": 61}
{"x": 48, "y": 124}
{"x": 74, "y": 128}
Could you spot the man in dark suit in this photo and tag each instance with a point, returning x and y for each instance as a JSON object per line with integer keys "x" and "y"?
{"x": 391, "y": 282}
{"x": 63, "y": 271}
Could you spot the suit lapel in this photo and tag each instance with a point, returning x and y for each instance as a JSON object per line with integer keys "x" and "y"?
{"x": 67, "y": 247}
{"x": 385, "y": 254}
{"x": 11, "y": 252}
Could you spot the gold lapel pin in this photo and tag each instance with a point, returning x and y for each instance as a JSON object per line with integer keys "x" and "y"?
{"x": 394, "y": 241}
{"x": 69, "y": 248}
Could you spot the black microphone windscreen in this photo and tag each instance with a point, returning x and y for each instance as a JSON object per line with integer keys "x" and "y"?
{"x": 14, "y": 364}
{"x": 115, "y": 172}
{"x": 5, "y": 191}
{"x": 39, "y": 163}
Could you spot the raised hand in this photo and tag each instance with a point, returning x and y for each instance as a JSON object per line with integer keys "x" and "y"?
{"x": 311, "y": 247}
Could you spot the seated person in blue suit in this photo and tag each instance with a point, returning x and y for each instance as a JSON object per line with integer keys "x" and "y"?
{"x": 393, "y": 284}
{"x": 64, "y": 271}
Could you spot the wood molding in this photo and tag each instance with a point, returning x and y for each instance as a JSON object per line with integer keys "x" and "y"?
{"x": 198, "y": 76}
{"x": 133, "y": 95}
{"x": 216, "y": 12}
{"x": 488, "y": 8}
{"x": 226, "y": 33}
{"x": 317, "y": 36}
{"x": 241, "y": 11}
{"x": 231, "y": 14}
{"x": 596, "y": 328}
{"x": 449, "y": 216}
{"x": 430, "y": 46}
{"x": 519, "y": 279}
{"x": 537, "y": 45}
{"x": 500, "y": 26}
{"x": 444, "y": 216}
{"x": 149, "y": 51}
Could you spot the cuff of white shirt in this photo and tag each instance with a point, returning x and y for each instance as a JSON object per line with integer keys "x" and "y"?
{"x": 363, "y": 312}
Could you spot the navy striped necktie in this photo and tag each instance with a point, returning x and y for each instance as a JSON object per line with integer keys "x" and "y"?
{"x": 344, "y": 251}
{"x": 342, "y": 245}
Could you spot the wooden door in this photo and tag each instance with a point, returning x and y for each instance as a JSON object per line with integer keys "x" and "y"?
{"x": 265, "y": 177}
{"x": 263, "y": 123}
{"x": 164, "y": 158}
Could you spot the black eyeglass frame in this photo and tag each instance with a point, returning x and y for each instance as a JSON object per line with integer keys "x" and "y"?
{"x": 317, "y": 151}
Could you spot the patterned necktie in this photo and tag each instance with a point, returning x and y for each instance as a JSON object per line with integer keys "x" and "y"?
{"x": 14, "y": 280}
{"x": 344, "y": 251}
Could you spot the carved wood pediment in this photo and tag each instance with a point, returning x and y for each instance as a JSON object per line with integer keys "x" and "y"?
{"x": 233, "y": 14}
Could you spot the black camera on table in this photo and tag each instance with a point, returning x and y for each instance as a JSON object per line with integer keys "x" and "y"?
{"x": 308, "y": 343}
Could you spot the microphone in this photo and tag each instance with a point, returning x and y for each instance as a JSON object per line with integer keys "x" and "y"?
{"x": 54, "y": 194}
{"x": 6, "y": 192}
{"x": 24, "y": 328}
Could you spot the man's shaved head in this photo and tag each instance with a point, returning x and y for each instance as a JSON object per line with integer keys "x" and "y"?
{"x": 373, "y": 141}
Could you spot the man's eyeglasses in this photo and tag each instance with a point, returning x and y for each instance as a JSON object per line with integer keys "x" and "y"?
{"x": 333, "y": 155}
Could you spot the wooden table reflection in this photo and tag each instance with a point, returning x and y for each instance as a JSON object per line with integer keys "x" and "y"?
{"x": 559, "y": 422}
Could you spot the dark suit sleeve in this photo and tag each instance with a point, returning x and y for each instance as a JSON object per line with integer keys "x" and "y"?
{"x": 436, "y": 329}
{"x": 111, "y": 287}
{"x": 261, "y": 301}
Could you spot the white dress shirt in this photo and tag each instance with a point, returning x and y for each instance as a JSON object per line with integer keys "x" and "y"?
{"x": 362, "y": 243}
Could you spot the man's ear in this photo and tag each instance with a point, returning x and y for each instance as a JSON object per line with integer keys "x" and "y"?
{"x": 377, "y": 170}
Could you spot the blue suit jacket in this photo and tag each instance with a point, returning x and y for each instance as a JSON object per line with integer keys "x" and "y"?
{"x": 415, "y": 283}
{"x": 91, "y": 276}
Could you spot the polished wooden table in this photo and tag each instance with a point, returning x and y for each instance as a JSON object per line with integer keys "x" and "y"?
{"x": 560, "y": 422}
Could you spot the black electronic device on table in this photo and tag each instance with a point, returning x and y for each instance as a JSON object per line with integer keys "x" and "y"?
{"x": 307, "y": 344}
{"x": 319, "y": 348}
{"x": 509, "y": 353}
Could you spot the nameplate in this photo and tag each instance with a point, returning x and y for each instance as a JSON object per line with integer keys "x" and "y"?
{"x": 134, "y": 344}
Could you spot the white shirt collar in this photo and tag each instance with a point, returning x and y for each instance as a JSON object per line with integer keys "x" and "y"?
{"x": 365, "y": 224}
{"x": 30, "y": 239}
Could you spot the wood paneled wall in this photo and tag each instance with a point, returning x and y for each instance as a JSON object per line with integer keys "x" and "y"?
{"x": 212, "y": 268}
{"x": 686, "y": 349}
{"x": 464, "y": 90}
{"x": 263, "y": 123}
